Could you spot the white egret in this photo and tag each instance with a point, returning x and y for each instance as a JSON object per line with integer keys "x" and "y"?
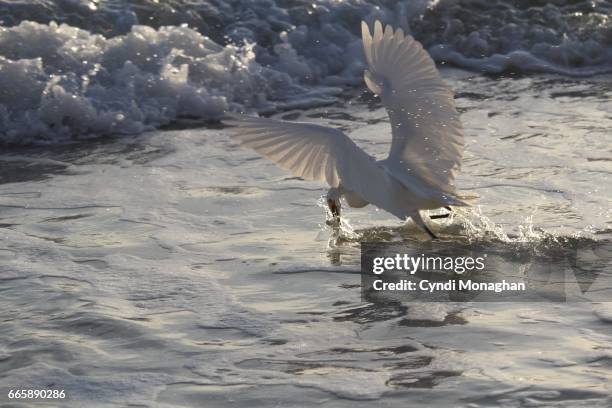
{"x": 426, "y": 146}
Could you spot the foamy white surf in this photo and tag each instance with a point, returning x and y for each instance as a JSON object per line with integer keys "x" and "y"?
{"x": 60, "y": 81}
{"x": 75, "y": 69}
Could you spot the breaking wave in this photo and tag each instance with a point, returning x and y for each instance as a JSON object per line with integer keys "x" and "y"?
{"x": 78, "y": 68}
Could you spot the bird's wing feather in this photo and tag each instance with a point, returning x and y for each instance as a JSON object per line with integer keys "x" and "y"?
{"x": 427, "y": 134}
{"x": 317, "y": 153}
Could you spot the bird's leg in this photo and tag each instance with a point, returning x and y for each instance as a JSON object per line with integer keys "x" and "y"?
{"x": 428, "y": 231}
{"x": 334, "y": 209}
{"x": 333, "y": 202}
{"x": 418, "y": 220}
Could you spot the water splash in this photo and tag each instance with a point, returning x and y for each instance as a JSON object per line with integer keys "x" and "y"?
{"x": 465, "y": 227}
{"x": 340, "y": 229}
{"x": 478, "y": 228}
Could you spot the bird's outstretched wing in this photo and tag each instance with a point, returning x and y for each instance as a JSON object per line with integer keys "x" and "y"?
{"x": 317, "y": 153}
{"x": 427, "y": 134}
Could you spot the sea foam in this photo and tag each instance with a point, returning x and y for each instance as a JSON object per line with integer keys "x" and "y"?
{"x": 79, "y": 68}
{"x": 61, "y": 82}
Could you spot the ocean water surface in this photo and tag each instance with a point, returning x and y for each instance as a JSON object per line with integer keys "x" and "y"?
{"x": 147, "y": 260}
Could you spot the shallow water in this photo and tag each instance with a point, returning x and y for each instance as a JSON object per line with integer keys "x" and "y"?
{"x": 176, "y": 269}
